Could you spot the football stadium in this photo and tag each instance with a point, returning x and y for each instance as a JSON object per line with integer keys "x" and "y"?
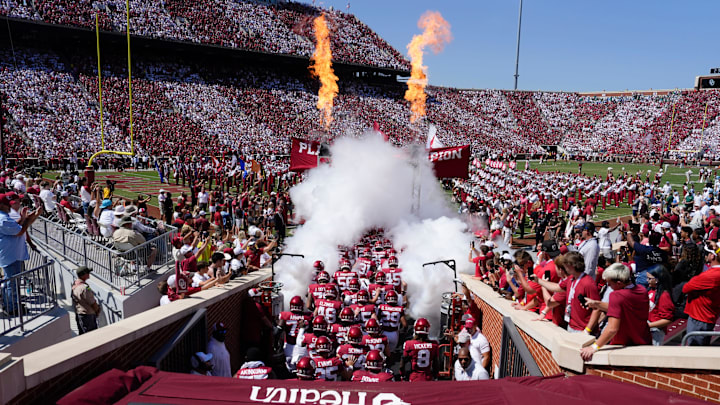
{"x": 247, "y": 201}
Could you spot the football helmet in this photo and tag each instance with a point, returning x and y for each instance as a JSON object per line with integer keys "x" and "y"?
{"x": 296, "y": 304}
{"x": 353, "y": 284}
{"x": 354, "y": 335}
{"x": 320, "y": 324}
{"x": 323, "y": 277}
{"x": 393, "y": 261}
{"x": 422, "y": 326}
{"x": 372, "y": 326}
{"x": 363, "y": 297}
{"x": 373, "y": 361}
{"x": 347, "y": 315}
{"x": 319, "y": 265}
{"x": 391, "y": 297}
{"x": 306, "y": 368}
{"x": 323, "y": 345}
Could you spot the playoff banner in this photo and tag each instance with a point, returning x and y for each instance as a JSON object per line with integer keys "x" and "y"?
{"x": 305, "y": 154}
{"x": 450, "y": 162}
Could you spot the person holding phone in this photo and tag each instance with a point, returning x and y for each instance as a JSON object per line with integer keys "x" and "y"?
{"x": 578, "y": 315}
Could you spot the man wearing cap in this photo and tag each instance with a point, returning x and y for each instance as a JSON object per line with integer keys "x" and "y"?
{"x": 86, "y": 307}
{"x": 479, "y": 345}
{"x": 13, "y": 250}
{"x": 646, "y": 256}
{"x": 590, "y": 249}
{"x": 221, "y": 355}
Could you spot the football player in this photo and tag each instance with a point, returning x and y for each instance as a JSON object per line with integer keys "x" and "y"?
{"x": 374, "y": 369}
{"x": 353, "y": 347}
{"x": 391, "y": 316}
{"x": 421, "y": 352}
{"x": 316, "y": 291}
{"x": 338, "y": 331}
{"x": 349, "y": 296}
{"x": 329, "y": 367}
{"x": 329, "y": 307}
{"x": 363, "y": 309}
{"x": 319, "y": 328}
{"x": 291, "y": 322}
{"x": 343, "y": 276}
{"x": 374, "y": 340}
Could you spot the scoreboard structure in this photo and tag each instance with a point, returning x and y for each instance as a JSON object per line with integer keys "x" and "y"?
{"x": 711, "y": 81}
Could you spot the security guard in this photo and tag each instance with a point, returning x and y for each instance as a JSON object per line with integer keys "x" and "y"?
{"x": 86, "y": 307}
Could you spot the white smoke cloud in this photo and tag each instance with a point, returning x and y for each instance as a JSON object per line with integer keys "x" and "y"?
{"x": 370, "y": 185}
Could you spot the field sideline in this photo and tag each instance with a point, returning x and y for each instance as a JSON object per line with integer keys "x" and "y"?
{"x": 130, "y": 183}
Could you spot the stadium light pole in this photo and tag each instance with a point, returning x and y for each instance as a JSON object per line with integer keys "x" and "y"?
{"x": 517, "y": 53}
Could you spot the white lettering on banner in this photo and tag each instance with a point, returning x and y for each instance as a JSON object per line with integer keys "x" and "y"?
{"x": 328, "y": 397}
{"x": 304, "y": 146}
{"x": 325, "y": 398}
{"x": 304, "y": 396}
{"x": 446, "y": 155}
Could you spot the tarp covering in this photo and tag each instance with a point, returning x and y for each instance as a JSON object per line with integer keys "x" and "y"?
{"x": 173, "y": 388}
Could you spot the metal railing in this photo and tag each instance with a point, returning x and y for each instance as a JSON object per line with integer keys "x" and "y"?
{"x": 175, "y": 355}
{"x": 515, "y": 358}
{"x": 121, "y": 269}
{"x": 712, "y": 334}
{"x": 29, "y": 294}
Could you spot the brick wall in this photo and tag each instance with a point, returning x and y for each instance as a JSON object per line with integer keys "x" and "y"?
{"x": 492, "y": 325}
{"x": 228, "y": 311}
{"x": 123, "y": 358}
{"x": 692, "y": 383}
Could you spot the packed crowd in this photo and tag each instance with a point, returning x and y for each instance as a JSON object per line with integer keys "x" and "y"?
{"x": 282, "y": 27}
{"x": 184, "y": 109}
{"x": 643, "y": 274}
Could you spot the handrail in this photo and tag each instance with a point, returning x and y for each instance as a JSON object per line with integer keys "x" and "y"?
{"x": 515, "y": 357}
{"x": 194, "y": 329}
{"x": 32, "y": 293}
{"x": 118, "y": 268}
{"x": 699, "y": 333}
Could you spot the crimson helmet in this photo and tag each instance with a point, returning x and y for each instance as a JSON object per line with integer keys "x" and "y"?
{"x": 354, "y": 335}
{"x": 323, "y": 277}
{"x": 319, "y": 265}
{"x": 330, "y": 294}
{"x": 387, "y": 244}
{"x": 392, "y": 252}
{"x": 372, "y": 326}
{"x": 306, "y": 368}
{"x": 391, "y": 297}
{"x": 347, "y": 315}
{"x": 320, "y": 324}
{"x": 393, "y": 261}
{"x": 367, "y": 253}
{"x": 380, "y": 277}
{"x": 345, "y": 264}
{"x": 363, "y": 297}
{"x": 422, "y": 326}
{"x": 296, "y": 304}
{"x": 373, "y": 361}
{"x": 353, "y": 284}
{"x": 378, "y": 245}
{"x": 323, "y": 345}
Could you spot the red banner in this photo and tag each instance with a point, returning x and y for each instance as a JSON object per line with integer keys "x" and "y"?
{"x": 450, "y": 162}
{"x": 304, "y": 154}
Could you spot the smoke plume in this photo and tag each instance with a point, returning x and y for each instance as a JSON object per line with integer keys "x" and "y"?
{"x": 369, "y": 184}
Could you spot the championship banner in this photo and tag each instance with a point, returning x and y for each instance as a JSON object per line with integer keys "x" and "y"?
{"x": 450, "y": 162}
{"x": 305, "y": 155}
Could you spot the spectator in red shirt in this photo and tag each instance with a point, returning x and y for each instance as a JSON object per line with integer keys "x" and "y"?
{"x": 703, "y": 303}
{"x": 661, "y": 304}
{"x": 627, "y": 312}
